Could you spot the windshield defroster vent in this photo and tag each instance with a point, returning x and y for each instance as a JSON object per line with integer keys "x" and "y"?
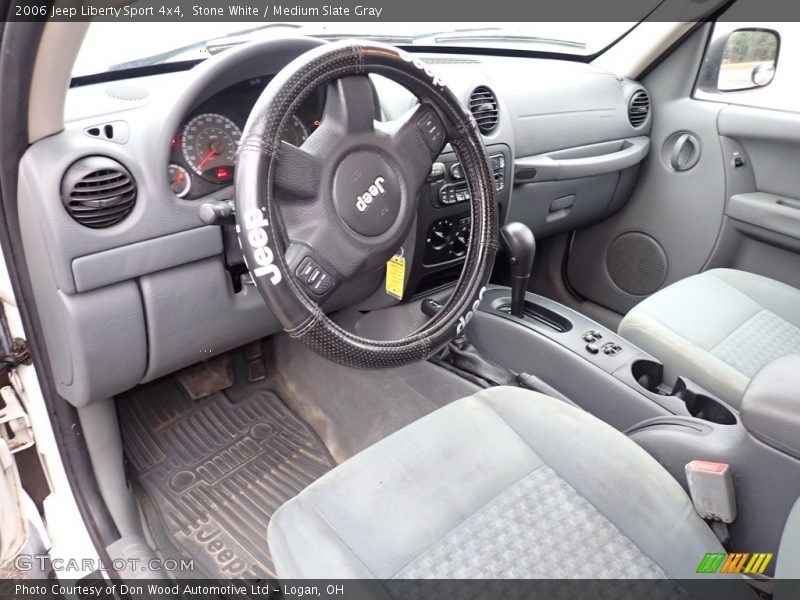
{"x": 638, "y": 108}
{"x": 98, "y": 192}
{"x": 483, "y": 106}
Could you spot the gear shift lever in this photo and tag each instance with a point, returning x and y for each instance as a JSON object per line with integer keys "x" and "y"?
{"x": 520, "y": 246}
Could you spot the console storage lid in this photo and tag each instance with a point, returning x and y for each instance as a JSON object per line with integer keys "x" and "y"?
{"x": 771, "y": 405}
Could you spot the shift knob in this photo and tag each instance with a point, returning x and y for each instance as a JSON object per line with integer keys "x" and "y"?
{"x": 520, "y": 246}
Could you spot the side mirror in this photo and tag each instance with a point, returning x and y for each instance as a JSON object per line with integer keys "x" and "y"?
{"x": 763, "y": 74}
{"x": 748, "y": 59}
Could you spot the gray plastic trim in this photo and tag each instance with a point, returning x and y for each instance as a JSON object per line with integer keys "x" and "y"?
{"x": 674, "y": 441}
{"x": 193, "y": 314}
{"x": 584, "y": 161}
{"x": 104, "y": 340}
{"x": 682, "y": 211}
{"x": 104, "y": 441}
{"x": 776, "y": 213}
{"x": 126, "y": 262}
{"x": 560, "y": 359}
{"x": 137, "y": 556}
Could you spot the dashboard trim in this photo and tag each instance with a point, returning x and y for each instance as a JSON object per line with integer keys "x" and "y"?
{"x": 142, "y": 258}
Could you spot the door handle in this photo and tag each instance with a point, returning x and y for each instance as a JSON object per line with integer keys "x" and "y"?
{"x": 685, "y": 152}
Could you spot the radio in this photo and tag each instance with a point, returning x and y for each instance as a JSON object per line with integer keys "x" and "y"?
{"x": 453, "y": 190}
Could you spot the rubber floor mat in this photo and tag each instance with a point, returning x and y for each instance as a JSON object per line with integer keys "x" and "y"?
{"x": 210, "y": 473}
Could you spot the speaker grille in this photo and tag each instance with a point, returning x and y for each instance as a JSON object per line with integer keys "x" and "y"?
{"x": 126, "y": 93}
{"x": 636, "y": 263}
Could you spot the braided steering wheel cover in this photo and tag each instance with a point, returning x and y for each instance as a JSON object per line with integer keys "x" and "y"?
{"x": 260, "y": 146}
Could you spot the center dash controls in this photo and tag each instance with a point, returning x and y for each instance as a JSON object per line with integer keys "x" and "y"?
{"x": 314, "y": 277}
{"x": 447, "y": 239}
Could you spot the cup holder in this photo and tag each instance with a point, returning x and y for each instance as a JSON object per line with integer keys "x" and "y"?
{"x": 703, "y": 407}
{"x": 649, "y": 375}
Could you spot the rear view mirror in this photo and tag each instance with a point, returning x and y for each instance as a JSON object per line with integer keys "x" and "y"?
{"x": 748, "y": 60}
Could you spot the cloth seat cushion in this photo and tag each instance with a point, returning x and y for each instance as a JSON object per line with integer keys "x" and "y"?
{"x": 506, "y": 483}
{"x": 717, "y": 328}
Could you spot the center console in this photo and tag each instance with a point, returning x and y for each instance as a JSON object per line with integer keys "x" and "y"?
{"x": 624, "y": 386}
{"x": 592, "y": 365}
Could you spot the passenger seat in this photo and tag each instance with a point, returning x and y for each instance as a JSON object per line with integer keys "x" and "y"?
{"x": 717, "y": 328}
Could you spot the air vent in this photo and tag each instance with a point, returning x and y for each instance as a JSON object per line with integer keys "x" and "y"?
{"x": 638, "y": 108}
{"x": 483, "y": 106}
{"x": 98, "y": 192}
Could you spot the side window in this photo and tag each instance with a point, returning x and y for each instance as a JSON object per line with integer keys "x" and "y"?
{"x": 753, "y": 64}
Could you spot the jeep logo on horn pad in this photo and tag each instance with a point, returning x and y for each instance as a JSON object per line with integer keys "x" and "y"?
{"x": 375, "y": 190}
{"x": 366, "y": 193}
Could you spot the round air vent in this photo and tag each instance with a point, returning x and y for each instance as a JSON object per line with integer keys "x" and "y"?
{"x": 483, "y": 106}
{"x": 98, "y": 192}
{"x": 638, "y": 108}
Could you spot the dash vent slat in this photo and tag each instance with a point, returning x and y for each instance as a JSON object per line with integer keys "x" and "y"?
{"x": 98, "y": 192}
{"x": 483, "y": 106}
{"x": 638, "y": 108}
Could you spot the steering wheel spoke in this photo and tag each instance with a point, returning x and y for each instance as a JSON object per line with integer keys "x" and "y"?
{"x": 297, "y": 172}
{"x": 418, "y": 137}
{"x": 350, "y": 105}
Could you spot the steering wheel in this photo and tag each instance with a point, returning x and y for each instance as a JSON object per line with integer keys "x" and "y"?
{"x": 310, "y": 218}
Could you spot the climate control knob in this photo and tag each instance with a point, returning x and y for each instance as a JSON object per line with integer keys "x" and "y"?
{"x": 440, "y": 234}
{"x": 461, "y": 241}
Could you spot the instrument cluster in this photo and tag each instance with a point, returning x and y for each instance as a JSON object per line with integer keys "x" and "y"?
{"x": 203, "y": 154}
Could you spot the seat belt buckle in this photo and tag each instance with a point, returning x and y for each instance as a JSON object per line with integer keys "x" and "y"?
{"x": 711, "y": 490}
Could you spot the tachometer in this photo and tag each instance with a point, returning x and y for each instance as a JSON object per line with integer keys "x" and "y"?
{"x": 209, "y": 143}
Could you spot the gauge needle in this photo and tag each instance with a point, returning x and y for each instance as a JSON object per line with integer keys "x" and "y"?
{"x": 206, "y": 158}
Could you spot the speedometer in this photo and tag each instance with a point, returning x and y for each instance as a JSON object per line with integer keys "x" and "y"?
{"x": 209, "y": 144}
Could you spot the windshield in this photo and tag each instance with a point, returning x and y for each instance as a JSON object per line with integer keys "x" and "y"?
{"x": 111, "y": 46}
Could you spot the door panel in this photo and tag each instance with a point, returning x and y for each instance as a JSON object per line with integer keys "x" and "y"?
{"x": 761, "y": 230}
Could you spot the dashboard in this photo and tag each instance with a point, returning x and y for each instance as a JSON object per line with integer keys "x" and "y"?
{"x": 132, "y": 285}
{"x": 203, "y": 155}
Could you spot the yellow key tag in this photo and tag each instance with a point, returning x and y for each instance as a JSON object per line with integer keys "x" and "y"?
{"x": 395, "y": 276}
